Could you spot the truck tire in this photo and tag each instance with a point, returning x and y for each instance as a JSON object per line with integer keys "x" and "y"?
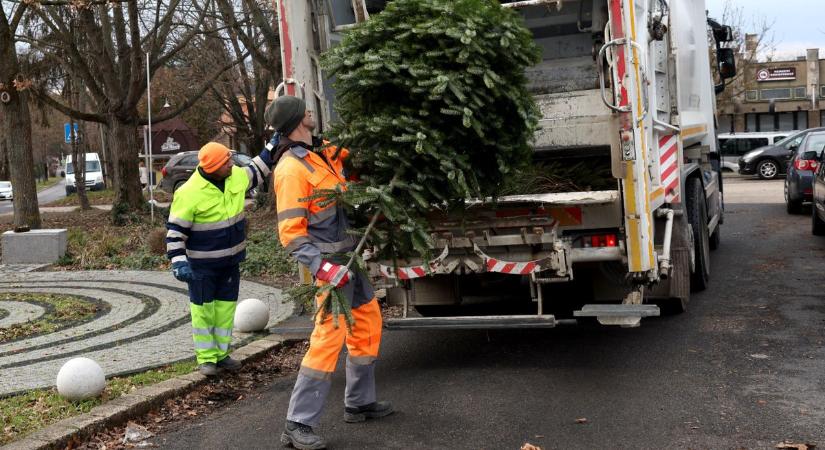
{"x": 678, "y": 284}
{"x": 715, "y": 238}
{"x": 817, "y": 224}
{"x": 697, "y": 215}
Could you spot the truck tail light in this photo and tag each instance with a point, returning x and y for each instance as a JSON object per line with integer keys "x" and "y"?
{"x": 805, "y": 164}
{"x": 601, "y": 240}
{"x": 163, "y": 172}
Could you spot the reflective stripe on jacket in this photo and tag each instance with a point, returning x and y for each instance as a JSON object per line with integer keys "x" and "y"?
{"x": 298, "y": 175}
{"x": 207, "y": 226}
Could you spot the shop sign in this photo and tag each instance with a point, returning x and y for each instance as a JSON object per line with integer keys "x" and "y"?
{"x": 777, "y": 74}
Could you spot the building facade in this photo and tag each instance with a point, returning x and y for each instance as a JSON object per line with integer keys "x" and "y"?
{"x": 776, "y": 96}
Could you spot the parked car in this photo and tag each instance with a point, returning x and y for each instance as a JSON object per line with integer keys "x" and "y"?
{"x": 181, "y": 166}
{"x": 818, "y": 198}
{"x": 733, "y": 146}
{"x": 771, "y": 161}
{"x": 799, "y": 180}
{"x": 6, "y": 192}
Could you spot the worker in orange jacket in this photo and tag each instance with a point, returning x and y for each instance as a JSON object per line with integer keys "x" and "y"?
{"x": 312, "y": 233}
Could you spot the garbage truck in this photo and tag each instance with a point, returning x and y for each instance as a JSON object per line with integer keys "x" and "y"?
{"x": 626, "y": 87}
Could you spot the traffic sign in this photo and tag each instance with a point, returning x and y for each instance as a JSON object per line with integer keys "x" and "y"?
{"x": 67, "y": 133}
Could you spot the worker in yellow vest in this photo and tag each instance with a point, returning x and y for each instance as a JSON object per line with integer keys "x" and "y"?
{"x": 206, "y": 241}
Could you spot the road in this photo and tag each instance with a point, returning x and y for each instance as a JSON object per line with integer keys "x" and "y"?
{"x": 743, "y": 368}
{"x": 44, "y": 197}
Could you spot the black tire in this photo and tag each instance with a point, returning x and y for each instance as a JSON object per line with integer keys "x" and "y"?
{"x": 768, "y": 169}
{"x": 178, "y": 185}
{"x": 697, "y": 215}
{"x": 715, "y": 238}
{"x": 792, "y": 206}
{"x": 69, "y": 192}
{"x": 817, "y": 224}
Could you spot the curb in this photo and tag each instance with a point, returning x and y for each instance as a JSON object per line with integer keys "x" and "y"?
{"x": 62, "y": 434}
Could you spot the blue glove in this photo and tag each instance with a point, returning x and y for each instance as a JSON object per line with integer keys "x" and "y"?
{"x": 266, "y": 153}
{"x": 273, "y": 143}
{"x": 183, "y": 271}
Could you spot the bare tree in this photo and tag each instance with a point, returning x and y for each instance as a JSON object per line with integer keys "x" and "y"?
{"x": 244, "y": 90}
{"x": 16, "y": 125}
{"x": 110, "y": 64}
{"x": 750, "y": 46}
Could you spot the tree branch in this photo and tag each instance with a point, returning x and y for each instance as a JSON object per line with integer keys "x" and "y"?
{"x": 193, "y": 99}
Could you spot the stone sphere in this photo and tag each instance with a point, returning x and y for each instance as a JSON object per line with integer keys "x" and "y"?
{"x": 80, "y": 378}
{"x": 251, "y": 315}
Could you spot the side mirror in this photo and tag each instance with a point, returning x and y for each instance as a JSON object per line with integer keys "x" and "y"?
{"x": 727, "y": 63}
{"x": 723, "y": 33}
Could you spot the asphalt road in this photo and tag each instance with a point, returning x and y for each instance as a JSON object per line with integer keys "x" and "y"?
{"x": 44, "y": 197}
{"x": 742, "y": 369}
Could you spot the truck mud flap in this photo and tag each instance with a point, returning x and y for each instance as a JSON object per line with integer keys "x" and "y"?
{"x": 471, "y": 322}
{"x": 628, "y": 316}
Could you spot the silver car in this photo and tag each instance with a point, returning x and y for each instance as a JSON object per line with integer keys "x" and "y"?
{"x": 6, "y": 192}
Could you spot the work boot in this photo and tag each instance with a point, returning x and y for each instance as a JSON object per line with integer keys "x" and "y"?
{"x": 229, "y": 364}
{"x": 372, "y": 411}
{"x": 208, "y": 369}
{"x": 301, "y": 437}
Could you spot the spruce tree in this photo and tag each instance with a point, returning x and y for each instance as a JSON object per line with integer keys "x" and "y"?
{"x": 434, "y": 108}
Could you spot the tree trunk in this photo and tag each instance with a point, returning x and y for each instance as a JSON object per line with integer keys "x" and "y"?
{"x": 123, "y": 151}
{"x": 79, "y": 163}
{"x": 4, "y": 161}
{"x": 19, "y": 146}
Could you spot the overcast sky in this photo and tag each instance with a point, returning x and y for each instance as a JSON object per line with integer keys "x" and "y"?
{"x": 799, "y": 24}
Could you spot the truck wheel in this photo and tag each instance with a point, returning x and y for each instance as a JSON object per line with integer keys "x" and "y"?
{"x": 697, "y": 215}
{"x": 678, "y": 284}
{"x": 817, "y": 224}
{"x": 715, "y": 238}
{"x": 767, "y": 169}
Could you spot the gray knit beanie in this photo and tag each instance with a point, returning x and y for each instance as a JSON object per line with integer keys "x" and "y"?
{"x": 285, "y": 114}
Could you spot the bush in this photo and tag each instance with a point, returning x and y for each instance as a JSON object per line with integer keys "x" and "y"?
{"x": 266, "y": 256}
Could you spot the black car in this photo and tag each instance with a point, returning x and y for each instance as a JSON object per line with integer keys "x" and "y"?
{"x": 799, "y": 180}
{"x": 181, "y": 166}
{"x": 818, "y": 209}
{"x": 770, "y": 161}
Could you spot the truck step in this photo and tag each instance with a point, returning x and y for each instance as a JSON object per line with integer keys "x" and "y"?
{"x": 623, "y": 315}
{"x": 470, "y": 322}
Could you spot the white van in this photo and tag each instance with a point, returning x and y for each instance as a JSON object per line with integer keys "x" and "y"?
{"x": 732, "y": 146}
{"x": 94, "y": 174}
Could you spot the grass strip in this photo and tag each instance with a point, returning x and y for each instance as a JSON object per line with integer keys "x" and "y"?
{"x": 25, "y": 413}
{"x": 61, "y": 311}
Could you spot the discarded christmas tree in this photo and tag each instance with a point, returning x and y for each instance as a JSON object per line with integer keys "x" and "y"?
{"x": 432, "y": 96}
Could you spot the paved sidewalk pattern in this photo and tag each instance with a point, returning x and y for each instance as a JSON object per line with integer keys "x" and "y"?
{"x": 147, "y": 326}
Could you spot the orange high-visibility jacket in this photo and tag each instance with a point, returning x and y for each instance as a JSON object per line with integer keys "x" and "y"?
{"x": 306, "y": 229}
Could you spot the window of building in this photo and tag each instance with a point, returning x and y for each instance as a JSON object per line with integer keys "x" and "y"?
{"x": 775, "y": 94}
{"x": 822, "y": 91}
{"x": 786, "y": 121}
{"x": 725, "y": 123}
{"x": 750, "y": 122}
{"x": 766, "y": 122}
{"x": 800, "y": 92}
{"x": 753, "y": 96}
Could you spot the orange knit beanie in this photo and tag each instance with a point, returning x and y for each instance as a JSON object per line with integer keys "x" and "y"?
{"x": 212, "y": 156}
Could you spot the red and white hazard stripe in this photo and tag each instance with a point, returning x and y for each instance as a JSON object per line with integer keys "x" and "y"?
{"x": 514, "y": 268}
{"x": 404, "y": 273}
{"x": 669, "y": 166}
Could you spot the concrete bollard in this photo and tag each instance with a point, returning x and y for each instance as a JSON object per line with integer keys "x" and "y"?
{"x": 34, "y": 247}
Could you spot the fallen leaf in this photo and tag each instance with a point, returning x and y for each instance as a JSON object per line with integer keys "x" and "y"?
{"x": 790, "y": 445}
{"x": 762, "y": 402}
{"x": 529, "y": 446}
{"x": 581, "y": 420}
